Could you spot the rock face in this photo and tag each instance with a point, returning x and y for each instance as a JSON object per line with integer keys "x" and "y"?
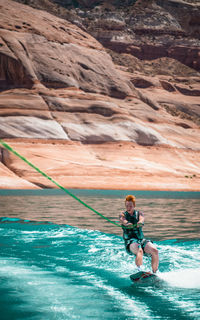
{"x": 24, "y": 127}
{"x": 146, "y": 29}
{"x": 153, "y": 33}
{"x": 91, "y": 117}
{"x": 63, "y": 56}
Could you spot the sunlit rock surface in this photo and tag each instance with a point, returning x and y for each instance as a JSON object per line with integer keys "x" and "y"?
{"x": 97, "y": 118}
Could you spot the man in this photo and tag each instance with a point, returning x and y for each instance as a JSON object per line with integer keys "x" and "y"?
{"x": 132, "y": 221}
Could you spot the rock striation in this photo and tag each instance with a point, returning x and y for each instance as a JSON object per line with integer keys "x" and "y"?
{"x": 89, "y": 106}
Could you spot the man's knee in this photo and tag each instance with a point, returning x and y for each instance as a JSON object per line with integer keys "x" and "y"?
{"x": 134, "y": 248}
{"x": 140, "y": 251}
{"x": 154, "y": 251}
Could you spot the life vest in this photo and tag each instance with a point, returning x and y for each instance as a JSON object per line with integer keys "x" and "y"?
{"x": 132, "y": 233}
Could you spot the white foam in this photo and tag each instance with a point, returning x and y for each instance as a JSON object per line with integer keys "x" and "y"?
{"x": 187, "y": 278}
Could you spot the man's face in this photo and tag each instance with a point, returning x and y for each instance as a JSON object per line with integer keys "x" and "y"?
{"x": 129, "y": 206}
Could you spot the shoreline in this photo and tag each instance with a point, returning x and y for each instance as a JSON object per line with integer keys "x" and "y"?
{"x": 93, "y": 190}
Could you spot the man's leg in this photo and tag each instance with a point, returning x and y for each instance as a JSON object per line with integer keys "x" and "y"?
{"x": 135, "y": 249}
{"x": 153, "y": 251}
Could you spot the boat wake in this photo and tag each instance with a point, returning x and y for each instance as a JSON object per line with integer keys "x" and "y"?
{"x": 50, "y": 271}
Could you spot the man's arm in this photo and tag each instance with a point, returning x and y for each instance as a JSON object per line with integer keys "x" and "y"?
{"x": 141, "y": 219}
{"x": 123, "y": 220}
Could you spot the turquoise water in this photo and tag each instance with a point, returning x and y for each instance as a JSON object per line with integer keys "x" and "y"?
{"x": 60, "y": 261}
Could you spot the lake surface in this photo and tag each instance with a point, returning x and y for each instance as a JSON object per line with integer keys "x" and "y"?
{"x": 59, "y": 260}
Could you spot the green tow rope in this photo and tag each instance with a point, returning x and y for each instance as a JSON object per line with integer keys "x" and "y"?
{"x": 56, "y": 183}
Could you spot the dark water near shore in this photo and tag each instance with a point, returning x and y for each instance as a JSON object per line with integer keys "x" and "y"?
{"x": 59, "y": 260}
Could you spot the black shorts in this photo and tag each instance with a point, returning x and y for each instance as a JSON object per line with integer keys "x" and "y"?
{"x": 141, "y": 243}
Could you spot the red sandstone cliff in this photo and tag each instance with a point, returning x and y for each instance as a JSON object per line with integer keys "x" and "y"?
{"x": 96, "y": 117}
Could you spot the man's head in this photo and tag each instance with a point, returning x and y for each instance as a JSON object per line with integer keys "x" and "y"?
{"x": 130, "y": 203}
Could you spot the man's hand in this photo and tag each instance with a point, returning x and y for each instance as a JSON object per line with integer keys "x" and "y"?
{"x": 128, "y": 225}
{"x": 140, "y": 224}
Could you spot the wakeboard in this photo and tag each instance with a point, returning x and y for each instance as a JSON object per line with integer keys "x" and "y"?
{"x": 141, "y": 275}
